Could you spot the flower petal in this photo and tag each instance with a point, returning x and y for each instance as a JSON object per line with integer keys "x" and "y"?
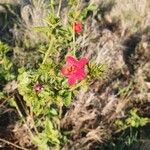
{"x": 80, "y": 74}
{"x": 72, "y": 60}
{"x": 72, "y": 80}
{"x": 64, "y": 71}
{"x": 78, "y": 27}
{"x": 82, "y": 62}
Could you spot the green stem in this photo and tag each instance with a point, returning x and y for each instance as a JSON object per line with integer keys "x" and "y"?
{"x": 74, "y": 42}
{"x": 60, "y": 111}
{"x": 52, "y": 7}
{"x": 78, "y": 85}
{"x": 48, "y": 51}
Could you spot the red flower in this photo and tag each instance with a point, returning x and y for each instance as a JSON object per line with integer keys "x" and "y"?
{"x": 74, "y": 69}
{"x": 78, "y": 27}
{"x": 38, "y": 88}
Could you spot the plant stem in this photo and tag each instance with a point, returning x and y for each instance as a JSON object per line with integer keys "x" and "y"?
{"x": 74, "y": 41}
{"x": 10, "y": 143}
{"x": 48, "y": 51}
{"x": 59, "y": 8}
{"x": 31, "y": 114}
{"x": 20, "y": 114}
{"x": 78, "y": 85}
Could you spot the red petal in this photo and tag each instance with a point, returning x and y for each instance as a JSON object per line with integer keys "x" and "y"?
{"x": 82, "y": 62}
{"x": 80, "y": 74}
{"x": 72, "y": 80}
{"x": 78, "y": 27}
{"x": 72, "y": 60}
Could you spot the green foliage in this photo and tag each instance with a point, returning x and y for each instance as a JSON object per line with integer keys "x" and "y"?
{"x": 5, "y": 63}
{"x": 124, "y": 90}
{"x": 4, "y": 49}
{"x": 89, "y": 8}
{"x": 73, "y": 2}
{"x": 75, "y": 13}
{"x": 133, "y": 120}
{"x": 47, "y": 104}
{"x": 136, "y": 121}
{"x": 128, "y": 131}
{"x": 48, "y": 134}
{"x": 123, "y": 141}
{"x": 96, "y": 70}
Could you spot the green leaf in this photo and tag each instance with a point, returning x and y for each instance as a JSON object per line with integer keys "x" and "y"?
{"x": 96, "y": 70}
{"x": 41, "y": 142}
{"x": 52, "y": 134}
{"x": 67, "y": 99}
{"x": 53, "y": 112}
{"x": 1, "y": 95}
{"x": 90, "y": 8}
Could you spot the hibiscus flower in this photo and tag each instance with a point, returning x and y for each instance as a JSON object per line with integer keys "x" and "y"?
{"x": 74, "y": 69}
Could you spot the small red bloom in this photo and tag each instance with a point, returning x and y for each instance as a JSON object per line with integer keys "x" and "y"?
{"x": 78, "y": 27}
{"x": 38, "y": 88}
{"x": 74, "y": 69}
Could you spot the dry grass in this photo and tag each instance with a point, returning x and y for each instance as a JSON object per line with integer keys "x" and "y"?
{"x": 32, "y": 15}
{"x": 14, "y": 2}
{"x": 134, "y": 14}
{"x": 117, "y": 38}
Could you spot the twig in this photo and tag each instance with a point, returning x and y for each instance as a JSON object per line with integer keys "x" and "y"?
{"x": 10, "y": 143}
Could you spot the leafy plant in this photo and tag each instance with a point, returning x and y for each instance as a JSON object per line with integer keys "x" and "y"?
{"x": 96, "y": 70}
{"x": 128, "y": 131}
{"x": 45, "y": 90}
{"x": 133, "y": 120}
{"x": 6, "y": 66}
